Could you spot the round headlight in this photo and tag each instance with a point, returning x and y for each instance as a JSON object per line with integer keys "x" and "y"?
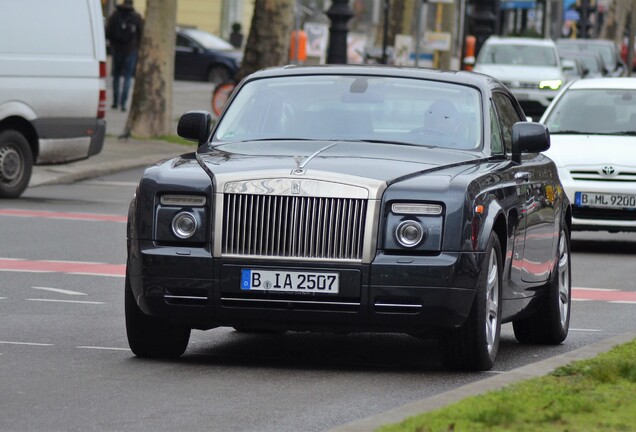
{"x": 184, "y": 225}
{"x": 409, "y": 233}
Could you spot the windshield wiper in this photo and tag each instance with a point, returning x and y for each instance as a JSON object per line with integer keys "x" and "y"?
{"x": 379, "y": 141}
{"x": 570, "y": 132}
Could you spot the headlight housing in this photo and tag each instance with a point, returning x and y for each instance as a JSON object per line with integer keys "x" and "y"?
{"x": 414, "y": 227}
{"x": 181, "y": 218}
{"x": 184, "y": 225}
{"x": 409, "y": 233}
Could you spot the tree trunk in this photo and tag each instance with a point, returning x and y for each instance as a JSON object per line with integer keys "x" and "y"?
{"x": 270, "y": 32}
{"x": 402, "y": 16}
{"x": 151, "y": 107}
{"x": 616, "y": 20}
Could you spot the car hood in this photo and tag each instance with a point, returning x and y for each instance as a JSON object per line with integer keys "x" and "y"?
{"x": 383, "y": 162}
{"x": 592, "y": 150}
{"x": 520, "y": 72}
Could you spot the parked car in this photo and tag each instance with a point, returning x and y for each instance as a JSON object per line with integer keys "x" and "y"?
{"x": 353, "y": 198}
{"x": 593, "y": 128}
{"x": 573, "y": 68}
{"x": 592, "y": 62}
{"x": 531, "y": 68}
{"x": 202, "y": 56}
{"x": 606, "y": 48}
{"x": 52, "y": 87}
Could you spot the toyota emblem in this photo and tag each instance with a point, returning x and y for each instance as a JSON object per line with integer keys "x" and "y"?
{"x": 608, "y": 170}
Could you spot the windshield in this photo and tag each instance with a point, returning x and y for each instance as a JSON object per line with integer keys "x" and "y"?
{"x": 366, "y": 108}
{"x": 591, "y": 111}
{"x": 605, "y": 51}
{"x": 516, "y": 54}
{"x": 208, "y": 40}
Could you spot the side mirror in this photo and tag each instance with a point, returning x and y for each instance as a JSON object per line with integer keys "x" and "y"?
{"x": 195, "y": 126}
{"x": 529, "y": 138}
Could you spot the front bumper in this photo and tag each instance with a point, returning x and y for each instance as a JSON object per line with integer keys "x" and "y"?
{"x": 599, "y": 219}
{"x": 413, "y": 294}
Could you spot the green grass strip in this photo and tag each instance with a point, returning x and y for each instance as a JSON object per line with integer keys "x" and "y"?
{"x": 598, "y": 394}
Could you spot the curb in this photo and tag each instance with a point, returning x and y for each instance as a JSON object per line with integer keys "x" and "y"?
{"x": 496, "y": 382}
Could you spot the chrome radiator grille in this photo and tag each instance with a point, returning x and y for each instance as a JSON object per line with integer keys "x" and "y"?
{"x": 293, "y": 226}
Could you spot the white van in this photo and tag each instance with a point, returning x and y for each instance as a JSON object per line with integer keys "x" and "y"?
{"x": 52, "y": 86}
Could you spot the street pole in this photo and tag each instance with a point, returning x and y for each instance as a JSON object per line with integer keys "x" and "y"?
{"x": 385, "y": 36}
{"x": 630, "y": 42}
{"x": 339, "y": 13}
{"x": 418, "y": 32}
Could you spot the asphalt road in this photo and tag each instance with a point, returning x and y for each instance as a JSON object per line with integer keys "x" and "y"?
{"x": 65, "y": 363}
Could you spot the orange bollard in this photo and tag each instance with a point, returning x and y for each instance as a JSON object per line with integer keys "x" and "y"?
{"x": 469, "y": 52}
{"x": 298, "y": 47}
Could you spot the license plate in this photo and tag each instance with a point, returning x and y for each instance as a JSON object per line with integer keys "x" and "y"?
{"x": 289, "y": 281}
{"x": 605, "y": 200}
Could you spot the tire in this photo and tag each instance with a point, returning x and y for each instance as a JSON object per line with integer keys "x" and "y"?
{"x": 550, "y": 324}
{"x": 16, "y": 164}
{"x": 474, "y": 345}
{"x": 218, "y": 74}
{"x": 152, "y": 337}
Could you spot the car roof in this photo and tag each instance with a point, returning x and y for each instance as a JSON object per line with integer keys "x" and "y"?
{"x": 482, "y": 81}
{"x": 604, "y": 83}
{"x": 507, "y": 40}
{"x": 585, "y": 42}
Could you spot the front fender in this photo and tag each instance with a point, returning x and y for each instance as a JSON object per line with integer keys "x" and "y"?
{"x": 488, "y": 221}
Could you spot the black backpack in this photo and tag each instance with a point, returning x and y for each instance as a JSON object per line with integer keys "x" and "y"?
{"x": 124, "y": 29}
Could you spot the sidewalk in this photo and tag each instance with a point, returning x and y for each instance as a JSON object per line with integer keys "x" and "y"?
{"x": 117, "y": 155}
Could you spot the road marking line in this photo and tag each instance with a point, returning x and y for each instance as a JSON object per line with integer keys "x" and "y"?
{"x": 586, "y": 330}
{"x": 69, "y": 267}
{"x": 103, "y": 348}
{"x": 594, "y": 289}
{"x": 25, "y": 343}
{"x": 603, "y": 295}
{"x": 58, "y": 290}
{"x": 65, "y": 301}
{"x": 111, "y": 183}
{"x": 90, "y": 217}
{"x": 623, "y": 302}
{"x": 96, "y": 274}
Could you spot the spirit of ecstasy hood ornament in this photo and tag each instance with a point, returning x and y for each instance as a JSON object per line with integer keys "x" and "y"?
{"x": 302, "y": 162}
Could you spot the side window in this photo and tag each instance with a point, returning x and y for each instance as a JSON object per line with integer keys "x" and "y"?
{"x": 495, "y": 133}
{"x": 183, "y": 42}
{"x": 507, "y": 117}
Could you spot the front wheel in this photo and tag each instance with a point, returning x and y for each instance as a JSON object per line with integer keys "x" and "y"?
{"x": 474, "y": 345}
{"x": 551, "y": 322}
{"x": 16, "y": 163}
{"x": 150, "y": 336}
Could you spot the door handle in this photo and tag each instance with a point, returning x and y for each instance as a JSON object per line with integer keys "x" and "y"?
{"x": 522, "y": 177}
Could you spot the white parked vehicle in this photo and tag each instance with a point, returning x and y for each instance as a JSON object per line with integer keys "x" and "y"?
{"x": 52, "y": 86}
{"x": 530, "y": 68}
{"x": 592, "y": 124}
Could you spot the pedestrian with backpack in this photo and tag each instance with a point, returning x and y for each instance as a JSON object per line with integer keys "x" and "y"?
{"x": 123, "y": 30}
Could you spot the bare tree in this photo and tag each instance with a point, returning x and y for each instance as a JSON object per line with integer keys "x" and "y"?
{"x": 268, "y": 41}
{"x": 151, "y": 106}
